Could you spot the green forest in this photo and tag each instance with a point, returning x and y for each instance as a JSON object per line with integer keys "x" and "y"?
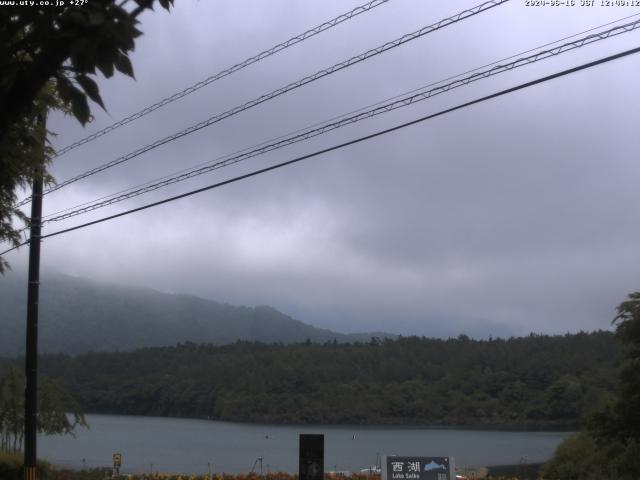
{"x": 533, "y": 381}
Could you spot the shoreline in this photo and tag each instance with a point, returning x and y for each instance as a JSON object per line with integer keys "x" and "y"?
{"x": 560, "y": 428}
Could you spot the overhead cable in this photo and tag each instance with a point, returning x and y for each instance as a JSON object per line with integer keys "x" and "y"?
{"x": 346, "y": 144}
{"x": 397, "y": 103}
{"x": 226, "y": 72}
{"x": 209, "y": 162}
{"x": 282, "y": 90}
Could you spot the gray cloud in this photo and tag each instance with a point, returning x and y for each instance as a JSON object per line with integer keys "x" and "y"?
{"x": 512, "y": 216}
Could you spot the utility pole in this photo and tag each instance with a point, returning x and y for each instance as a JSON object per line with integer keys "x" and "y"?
{"x": 31, "y": 357}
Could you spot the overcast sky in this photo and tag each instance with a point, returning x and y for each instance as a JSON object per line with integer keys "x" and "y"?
{"x": 519, "y": 214}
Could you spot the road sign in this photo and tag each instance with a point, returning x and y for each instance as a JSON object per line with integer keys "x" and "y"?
{"x": 418, "y": 468}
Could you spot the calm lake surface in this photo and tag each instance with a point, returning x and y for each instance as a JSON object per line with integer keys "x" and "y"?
{"x": 194, "y": 446}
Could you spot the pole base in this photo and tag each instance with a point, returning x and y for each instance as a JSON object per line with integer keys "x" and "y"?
{"x": 30, "y": 473}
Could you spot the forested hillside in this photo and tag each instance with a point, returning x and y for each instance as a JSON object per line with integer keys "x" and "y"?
{"x": 533, "y": 381}
{"x": 78, "y": 315}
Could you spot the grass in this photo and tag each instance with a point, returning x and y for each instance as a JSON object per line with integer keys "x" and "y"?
{"x": 11, "y": 468}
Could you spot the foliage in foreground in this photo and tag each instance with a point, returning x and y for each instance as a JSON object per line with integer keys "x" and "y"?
{"x": 609, "y": 446}
{"x": 51, "y": 473}
{"x": 48, "y": 59}
{"x": 58, "y": 412}
{"x": 522, "y": 471}
{"x": 584, "y": 457}
{"x": 11, "y": 468}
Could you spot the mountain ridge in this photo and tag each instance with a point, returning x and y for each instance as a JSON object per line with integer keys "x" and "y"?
{"x": 79, "y": 315}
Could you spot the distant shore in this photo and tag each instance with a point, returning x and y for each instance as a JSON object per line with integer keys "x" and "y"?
{"x": 569, "y": 427}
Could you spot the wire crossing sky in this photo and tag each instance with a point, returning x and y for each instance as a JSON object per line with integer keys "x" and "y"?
{"x": 228, "y": 71}
{"x": 346, "y": 144}
{"x": 177, "y": 176}
{"x": 312, "y": 132}
{"x": 408, "y": 37}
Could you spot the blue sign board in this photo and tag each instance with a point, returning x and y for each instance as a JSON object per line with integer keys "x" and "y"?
{"x": 418, "y": 468}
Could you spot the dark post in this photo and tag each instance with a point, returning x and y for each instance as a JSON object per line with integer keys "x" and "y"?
{"x": 31, "y": 357}
{"x": 311, "y": 460}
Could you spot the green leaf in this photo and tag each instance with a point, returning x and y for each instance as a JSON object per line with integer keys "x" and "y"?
{"x": 9, "y": 75}
{"x": 135, "y": 33}
{"x": 123, "y": 37}
{"x": 96, "y": 18}
{"x": 78, "y": 100}
{"x": 145, "y": 3}
{"x": 105, "y": 66}
{"x": 80, "y": 107}
{"x": 65, "y": 88}
{"x": 78, "y": 17}
{"x": 91, "y": 89}
{"x": 123, "y": 64}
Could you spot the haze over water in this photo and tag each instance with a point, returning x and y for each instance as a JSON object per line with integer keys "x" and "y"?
{"x": 188, "y": 446}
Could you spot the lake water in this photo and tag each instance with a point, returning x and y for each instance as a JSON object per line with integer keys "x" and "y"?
{"x": 194, "y": 446}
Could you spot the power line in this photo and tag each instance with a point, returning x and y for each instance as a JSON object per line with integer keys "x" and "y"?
{"x": 327, "y": 127}
{"x": 226, "y": 72}
{"x": 346, "y": 144}
{"x": 282, "y": 90}
{"x": 244, "y": 150}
